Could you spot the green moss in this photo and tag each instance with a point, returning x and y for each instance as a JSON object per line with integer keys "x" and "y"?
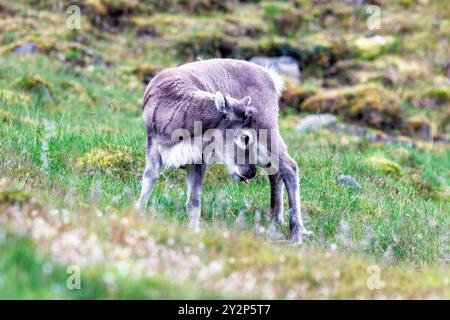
{"x": 98, "y": 6}
{"x": 439, "y": 94}
{"x": 44, "y": 45}
{"x": 369, "y": 104}
{"x": 321, "y": 50}
{"x": 206, "y": 44}
{"x": 385, "y": 166}
{"x": 284, "y": 17}
{"x": 295, "y": 95}
{"x": 246, "y": 22}
{"x": 10, "y": 97}
{"x": 163, "y": 24}
{"x": 369, "y": 48}
{"x": 12, "y": 195}
{"x": 115, "y": 10}
{"x": 33, "y": 83}
{"x": 142, "y": 71}
{"x": 274, "y": 46}
{"x": 408, "y": 3}
{"x": 117, "y": 161}
{"x": 419, "y": 125}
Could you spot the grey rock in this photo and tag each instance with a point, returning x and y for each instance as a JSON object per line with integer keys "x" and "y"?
{"x": 27, "y": 47}
{"x": 349, "y": 181}
{"x": 316, "y": 121}
{"x": 285, "y": 65}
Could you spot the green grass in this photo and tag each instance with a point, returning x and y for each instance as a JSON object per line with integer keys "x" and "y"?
{"x": 387, "y": 211}
{"x": 54, "y": 115}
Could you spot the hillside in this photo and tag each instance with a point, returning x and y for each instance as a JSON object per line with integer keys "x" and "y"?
{"x": 375, "y": 183}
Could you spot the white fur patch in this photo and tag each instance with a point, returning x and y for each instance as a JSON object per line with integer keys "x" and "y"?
{"x": 200, "y": 94}
{"x": 180, "y": 154}
{"x": 277, "y": 80}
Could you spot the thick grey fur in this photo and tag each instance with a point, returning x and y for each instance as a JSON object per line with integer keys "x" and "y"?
{"x": 178, "y": 96}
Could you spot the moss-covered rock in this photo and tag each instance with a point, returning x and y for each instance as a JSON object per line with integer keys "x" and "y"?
{"x": 34, "y": 84}
{"x": 43, "y": 45}
{"x": 190, "y": 6}
{"x": 114, "y": 13}
{"x": 11, "y": 195}
{"x": 438, "y": 94}
{"x": 113, "y": 161}
{"x": 205, "y": 44}
{"x": 164, "y": 24}
{"x": 369, "y": 104}
{"x": 419, "y": 126}
{"x": 371, "y": 47}
{"x": 315, "y": 53}
{"x": 144, "y": 72}
{"x": 402, "y": 22}
{"x": 295, "y": 95}
{"x": 284, "y": 17}
{"x": 246, "y": 22}
{"x": 398, "y": 69}
{"x": 321, "y": 50}
{"x": 385, "y": 166}
{"x": 351, "y": 72}
{"x": 327, "y": 14}
{"x": 11, "y": 97}
{"x": 97, "y": 6}
{"x": 267, "y": 46}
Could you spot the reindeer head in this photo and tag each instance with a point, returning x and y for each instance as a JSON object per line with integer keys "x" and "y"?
{"x": 240, "y": 136}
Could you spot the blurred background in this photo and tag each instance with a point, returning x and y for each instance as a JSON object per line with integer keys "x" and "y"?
{"x": 392, "y": 57}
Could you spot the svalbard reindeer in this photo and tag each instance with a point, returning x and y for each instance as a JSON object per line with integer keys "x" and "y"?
{"x": 222, "y": 95}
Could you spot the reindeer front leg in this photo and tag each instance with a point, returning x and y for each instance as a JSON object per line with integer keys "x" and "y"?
{"x": 289, "y": 173}
{"x": 276, "y": 198}
{"x": 195, "y": 174}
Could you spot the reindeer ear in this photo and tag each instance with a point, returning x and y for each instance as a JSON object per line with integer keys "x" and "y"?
{"x": 246, "y": 101}
{"x": 219, "y": 101}
{"x": 249, "y": 116}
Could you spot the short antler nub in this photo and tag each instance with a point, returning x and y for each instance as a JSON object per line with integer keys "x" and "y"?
{"x": 220, "y": 101}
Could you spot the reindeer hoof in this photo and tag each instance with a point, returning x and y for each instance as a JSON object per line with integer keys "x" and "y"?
{"x": 296, "y": 238}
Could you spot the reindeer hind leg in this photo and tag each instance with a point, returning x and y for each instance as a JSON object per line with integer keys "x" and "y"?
{"x": 151, "y": 173}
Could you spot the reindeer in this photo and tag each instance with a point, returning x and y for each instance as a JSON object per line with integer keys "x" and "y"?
{"x": 221, "y": 95}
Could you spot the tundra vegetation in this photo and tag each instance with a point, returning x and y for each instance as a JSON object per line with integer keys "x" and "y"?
{"x": 374, "y": 181}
